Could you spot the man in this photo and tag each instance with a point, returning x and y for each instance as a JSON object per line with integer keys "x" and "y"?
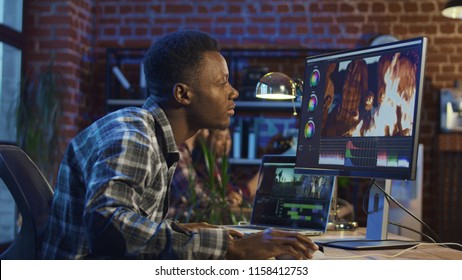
{"x": 111, "y": 196}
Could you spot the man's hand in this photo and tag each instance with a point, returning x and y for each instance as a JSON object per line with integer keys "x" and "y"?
{"x": 271, "y": 244}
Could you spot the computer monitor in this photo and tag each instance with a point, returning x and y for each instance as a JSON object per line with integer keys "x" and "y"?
{"x": 360, "y": 115}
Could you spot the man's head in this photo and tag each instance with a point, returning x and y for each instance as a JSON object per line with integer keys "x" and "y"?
{"x": 174, "y": 59}
{"x": 186, "y": 73}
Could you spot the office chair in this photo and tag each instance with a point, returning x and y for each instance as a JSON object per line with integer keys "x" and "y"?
{"x": 32, "y": 195}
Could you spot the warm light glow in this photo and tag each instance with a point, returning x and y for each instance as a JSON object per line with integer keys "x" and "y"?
{"x": 276, "y": 96}
{"x": 276, "y": 86}
{"x": 453, "y": 9}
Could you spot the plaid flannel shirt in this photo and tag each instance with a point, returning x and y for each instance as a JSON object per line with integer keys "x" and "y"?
{"x": 111, "y": 196}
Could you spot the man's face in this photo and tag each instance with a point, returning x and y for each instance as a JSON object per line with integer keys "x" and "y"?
{"x": 212, "y": 103}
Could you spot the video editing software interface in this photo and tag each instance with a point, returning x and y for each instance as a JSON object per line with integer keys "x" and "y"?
{"x": 287, "y": 199}
{"x": 360, "y": 112}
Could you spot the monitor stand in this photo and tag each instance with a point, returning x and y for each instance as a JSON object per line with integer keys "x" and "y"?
{"x": 376, "y": 227}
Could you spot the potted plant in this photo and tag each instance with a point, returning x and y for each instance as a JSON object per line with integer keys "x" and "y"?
{"x": 38, "y": 113}
{"x": 209, "y": 202}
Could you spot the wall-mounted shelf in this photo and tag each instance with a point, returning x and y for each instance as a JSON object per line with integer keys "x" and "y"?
{"x": 245, "y": 66}
{"x": 450, "y": 142}
{"x": 125, "y": 102}
{"x": 239, "y": 104}
{"x": 245, "y": 161}
{"x": 267, "y": 104}
{"x": 267, "y": 119}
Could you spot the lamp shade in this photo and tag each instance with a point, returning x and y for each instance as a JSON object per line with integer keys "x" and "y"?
{"x": 453, "y": 9}
{"x": 276, "y": 86}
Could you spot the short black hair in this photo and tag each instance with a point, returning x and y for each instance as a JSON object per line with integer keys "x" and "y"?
{"x": 173, "y": 59}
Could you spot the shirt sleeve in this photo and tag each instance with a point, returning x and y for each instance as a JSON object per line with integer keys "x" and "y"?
{"x": 175, "y": 243}
{"x": 207, "y": 243}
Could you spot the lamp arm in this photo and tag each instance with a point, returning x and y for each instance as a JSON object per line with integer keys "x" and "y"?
{"x": 298, "y": 87}
{"x": 298, "y": 92}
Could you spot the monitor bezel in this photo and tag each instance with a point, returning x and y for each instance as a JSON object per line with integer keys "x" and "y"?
{"x": 407, "y": 173}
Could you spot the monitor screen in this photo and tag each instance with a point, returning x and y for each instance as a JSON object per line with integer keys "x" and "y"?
{"x": 360, "y": 112}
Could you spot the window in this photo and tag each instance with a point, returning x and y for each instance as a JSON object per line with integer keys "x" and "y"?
{"x": 11, "y": 44}
{"x": 10, "y": 65}
{"x": 10, "y": 79}
{"x": 11, "y": 14}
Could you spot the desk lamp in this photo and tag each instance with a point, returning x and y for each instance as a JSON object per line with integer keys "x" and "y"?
{"x": 453, "y": 9}
{"x": 279, "y": 86}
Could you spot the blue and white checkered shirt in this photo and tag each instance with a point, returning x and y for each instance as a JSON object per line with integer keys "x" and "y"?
{"x": 111, "y": 196}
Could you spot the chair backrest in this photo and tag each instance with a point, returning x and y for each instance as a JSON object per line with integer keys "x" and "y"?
{"x": 32, "y": 194}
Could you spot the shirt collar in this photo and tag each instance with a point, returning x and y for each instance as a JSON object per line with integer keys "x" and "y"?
{"x": 159, "y": 116}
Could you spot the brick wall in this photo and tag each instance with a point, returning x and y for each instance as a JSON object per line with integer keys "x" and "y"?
{"x": 62, "y": 32}
{"x": 78, "y": 32}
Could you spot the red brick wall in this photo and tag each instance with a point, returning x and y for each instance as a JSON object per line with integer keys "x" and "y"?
{"x": 78, "y": 32}
{"x": 62, "y": 32}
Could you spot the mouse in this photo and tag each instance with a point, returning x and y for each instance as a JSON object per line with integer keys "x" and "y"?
{"x": 317, "y": 255}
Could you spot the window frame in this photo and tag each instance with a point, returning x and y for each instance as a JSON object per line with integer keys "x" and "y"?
{"x": 17, "y": 39}
{"x": 12, "y": 37}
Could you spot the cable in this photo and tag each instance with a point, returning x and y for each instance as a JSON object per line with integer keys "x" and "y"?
{"x": 367, "y": 195}
{"x": 401, "y": 252}
{"x": 437, "y": 238}
{"x": 339, "y": 241}
{"x": 389, "y": 197}
{"x": 413, "y": 230}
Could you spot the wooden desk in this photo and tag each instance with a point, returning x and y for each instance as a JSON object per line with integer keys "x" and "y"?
{"x": 424, "y": 252}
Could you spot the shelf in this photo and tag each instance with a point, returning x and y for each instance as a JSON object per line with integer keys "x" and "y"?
{"x": 450, "y": 142}
{"x": 266, "y": 104}
{"x": 267, "y": 118}
{"x": 239, "y": 104}
{"x": 245, "y": 161}
{"x": 244, "y": 67}
{"x": 125, "y": 102}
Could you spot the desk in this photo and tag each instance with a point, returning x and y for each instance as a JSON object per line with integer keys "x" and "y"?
{"x": 424, "y": 252}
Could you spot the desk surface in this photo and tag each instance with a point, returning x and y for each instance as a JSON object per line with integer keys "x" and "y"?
{"x": 423, "y": 252}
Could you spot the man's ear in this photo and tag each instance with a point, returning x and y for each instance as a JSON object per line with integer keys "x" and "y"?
{"x": 182, "y": 93}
